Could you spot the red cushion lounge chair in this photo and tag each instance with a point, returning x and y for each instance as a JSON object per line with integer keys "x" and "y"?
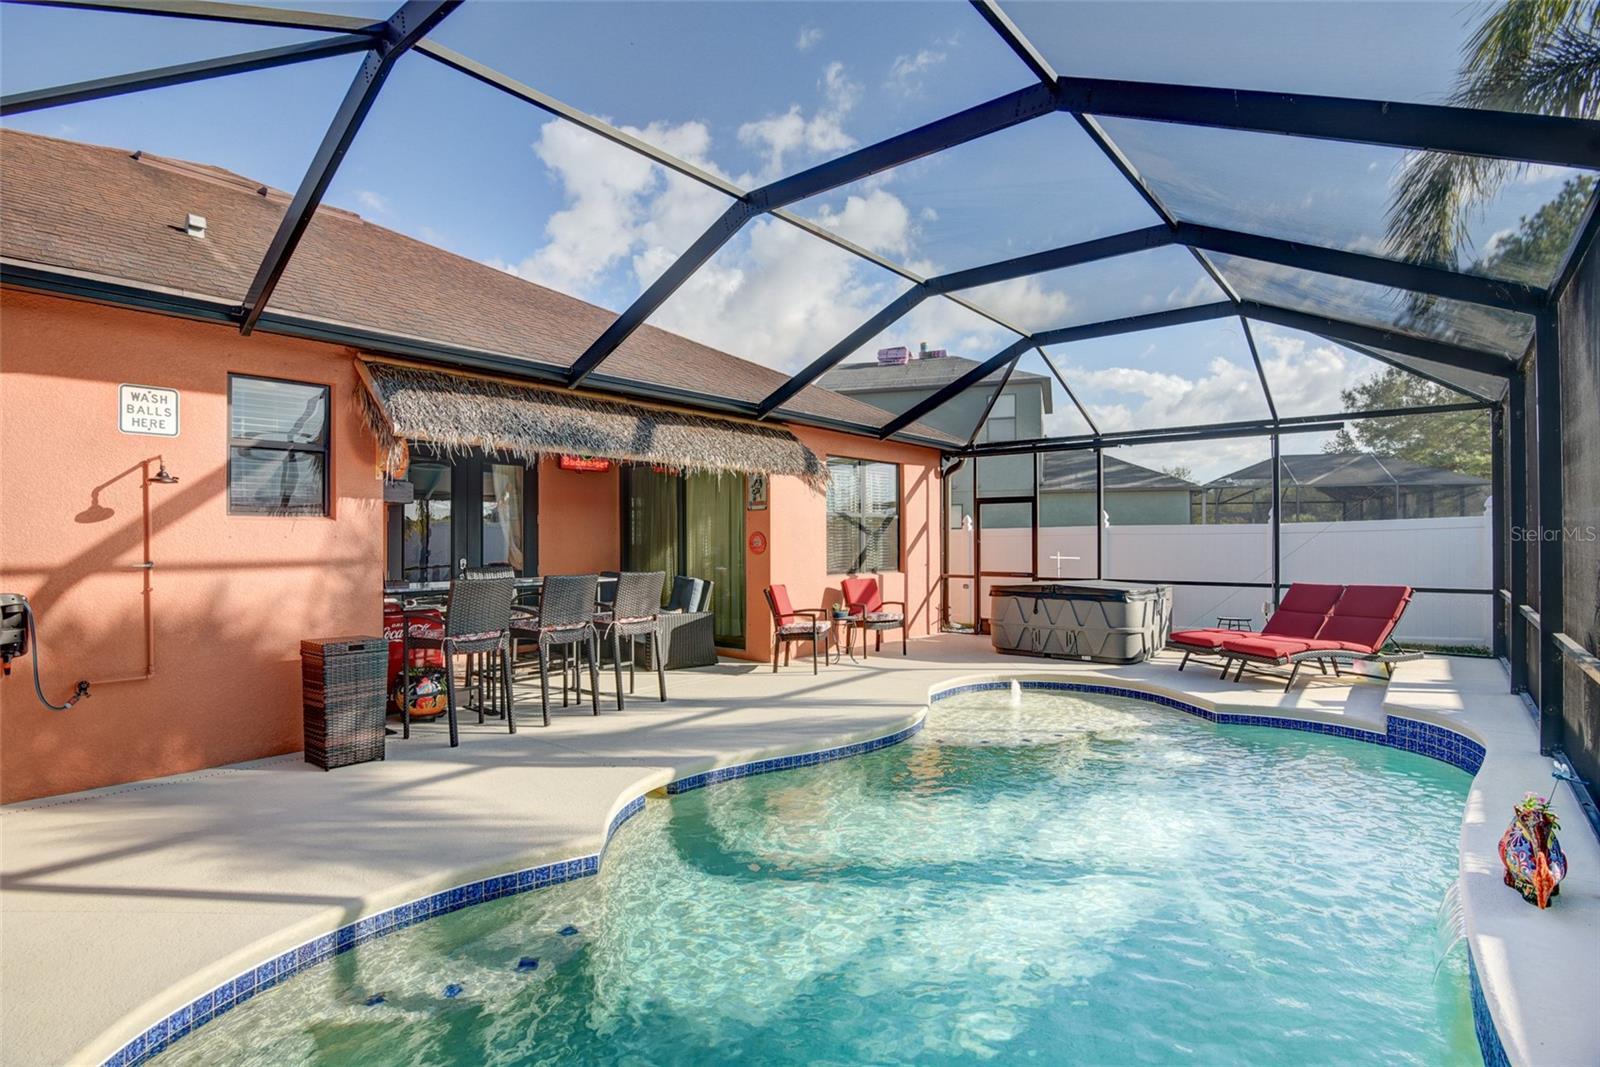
{"x": 863, "y": 598}
{"x": 1355, "y": 631}
{"x": 791, "y": 624}
{"x": 1301, "y": 614}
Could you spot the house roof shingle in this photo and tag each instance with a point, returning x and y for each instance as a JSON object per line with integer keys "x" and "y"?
{"x": 1344, "y": 470}
{"x": 918, "y": 374}
{"x": 1073, "y": 472}
{"x": 120, "y": 215}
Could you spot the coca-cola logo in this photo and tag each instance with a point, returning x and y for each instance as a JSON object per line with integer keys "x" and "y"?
{"x": 431, "y": 628}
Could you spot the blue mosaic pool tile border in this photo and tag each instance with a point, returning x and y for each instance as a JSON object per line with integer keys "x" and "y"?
{"x": 1494, "y": 1053}
{"x": 1410, "y": 735}
{"x": 236, "y": 991}
{"x": 231, "y": 994}
{"x": 786, "y": 763}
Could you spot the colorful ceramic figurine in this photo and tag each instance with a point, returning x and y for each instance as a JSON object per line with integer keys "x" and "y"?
{"x": 1532, "y": 856}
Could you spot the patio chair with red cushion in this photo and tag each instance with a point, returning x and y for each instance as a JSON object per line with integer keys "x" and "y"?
{"x": 863, "y": 597}
{"x": 791, "y": 624}
{"x": 1302, "y": 612}
{"x": 1361, "y": 623}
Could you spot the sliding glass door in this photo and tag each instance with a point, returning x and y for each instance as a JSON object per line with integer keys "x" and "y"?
{"x": 650, "y": 520}
{"x": 689, "y": 524}
{"x": 714, "y": 546}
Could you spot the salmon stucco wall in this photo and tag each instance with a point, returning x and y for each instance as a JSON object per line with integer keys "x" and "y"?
{"x": 231, "y": 595}
{"x": 580, "y": 520}
{"x": 795, "y": 527}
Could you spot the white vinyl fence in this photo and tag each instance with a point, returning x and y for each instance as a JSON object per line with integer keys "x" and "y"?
{"x": 1452, "y": 553}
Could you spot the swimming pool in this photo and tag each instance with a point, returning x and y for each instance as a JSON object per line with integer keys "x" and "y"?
{"x": 1077, "y": 878}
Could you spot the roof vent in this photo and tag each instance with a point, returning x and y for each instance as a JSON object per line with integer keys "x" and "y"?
{"x": 195, "y": 225}
{"x": 931, "y": 353}
{"x": 898, "y": 356}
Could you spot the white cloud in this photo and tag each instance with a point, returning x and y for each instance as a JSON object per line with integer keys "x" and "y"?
{"x": 775, "y": 294}
{"x": 822, "y": 134}
{"x": 1201, "y": 291}
{"x": 1535, "y": 173}
{"x": 1028, "y": 303}
{"x": 906, "y": 72}
{"x": 373, "y": 202}
{"x": 1306, "y": 378}
{"x": 877, "y": 221}
{"x": 620, "y": 206}
{"x": 1492, "y": 245}
{"x": 809, "y": 38}
{"x": 779, "y": 299}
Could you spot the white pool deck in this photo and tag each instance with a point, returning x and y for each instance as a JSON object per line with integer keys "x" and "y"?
{"x": 120, "y": 905}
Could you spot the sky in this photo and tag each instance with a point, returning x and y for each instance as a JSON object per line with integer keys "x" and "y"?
{"x": 755, "y": 91}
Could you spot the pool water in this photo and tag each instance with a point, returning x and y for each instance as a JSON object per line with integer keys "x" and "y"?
{"x": 1078, "y": 879}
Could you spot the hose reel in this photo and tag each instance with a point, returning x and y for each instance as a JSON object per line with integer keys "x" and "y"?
{"x": 18, "y": 635}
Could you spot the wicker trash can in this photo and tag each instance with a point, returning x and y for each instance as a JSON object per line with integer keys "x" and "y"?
{"x": 342, "y": 681}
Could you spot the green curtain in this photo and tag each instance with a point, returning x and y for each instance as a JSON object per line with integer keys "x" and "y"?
{"x": 650, "y": 542}
{"x": 714, "y": 508}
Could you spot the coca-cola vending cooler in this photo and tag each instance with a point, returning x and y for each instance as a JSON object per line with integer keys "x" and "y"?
{"x": 427, "y": 664}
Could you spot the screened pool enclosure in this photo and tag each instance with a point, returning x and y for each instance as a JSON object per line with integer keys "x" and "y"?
{"x": 1184, "y": 230}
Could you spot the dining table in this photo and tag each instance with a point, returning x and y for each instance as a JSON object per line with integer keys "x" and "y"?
{"x": 437, "y": 592}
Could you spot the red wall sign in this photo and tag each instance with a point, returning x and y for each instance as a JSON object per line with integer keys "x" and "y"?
{"x": 758, "y": 543}
{"x": 584, "y": 463}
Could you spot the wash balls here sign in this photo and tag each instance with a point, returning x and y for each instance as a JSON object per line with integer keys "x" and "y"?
{"x": 144, "y": 409}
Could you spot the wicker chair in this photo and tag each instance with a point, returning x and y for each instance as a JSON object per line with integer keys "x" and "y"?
{"x": 689, "y": 594}
{"x": 565, "y": 621}
{"x": 865, "y": 599}
{"x": 477, "y": 621}
{"x": 606, "y": 592}
{"x": 635, "y": 614}
{"x": 688, "y": 626}
{"x": 791, "y": 624}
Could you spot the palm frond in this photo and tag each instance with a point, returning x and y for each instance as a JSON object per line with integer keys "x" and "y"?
{"x": 1539, "y": 56}
{"x": 1561, "y": 77}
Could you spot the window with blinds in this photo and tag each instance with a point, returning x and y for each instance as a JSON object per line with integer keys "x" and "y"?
{"x": 277, "y": 447}
{"x": 863, "y": 516}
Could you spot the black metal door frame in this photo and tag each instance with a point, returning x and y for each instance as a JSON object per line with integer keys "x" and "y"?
{"x": 980, "y": 613}
{"x": 466, "y": 510}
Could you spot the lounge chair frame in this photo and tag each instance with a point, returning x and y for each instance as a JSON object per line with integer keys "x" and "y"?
{"x": 1323, "y": 657}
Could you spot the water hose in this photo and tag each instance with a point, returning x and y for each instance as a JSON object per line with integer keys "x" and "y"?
{"x": 38, "y": 689}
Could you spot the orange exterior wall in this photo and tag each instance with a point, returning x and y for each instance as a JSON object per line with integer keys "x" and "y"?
{"x": 795, "y": 526}
{"x": 232, "y": 596}
{"x": 580, "y": 520}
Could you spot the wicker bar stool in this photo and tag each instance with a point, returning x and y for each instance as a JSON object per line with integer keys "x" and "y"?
{"x": 477, "y": 620}
{"x": 635, "y": 614}
{"x": 566, "y": 622}
{"x": 482, "y": 679}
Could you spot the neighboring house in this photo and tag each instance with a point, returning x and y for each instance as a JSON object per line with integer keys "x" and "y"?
{"x": 1341, "y": 487}
{"x": 899, "y": 378}
{"x": 1135, "y": 495}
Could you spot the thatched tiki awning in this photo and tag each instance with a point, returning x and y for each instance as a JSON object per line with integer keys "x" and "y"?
{"x": 460, "y": 412}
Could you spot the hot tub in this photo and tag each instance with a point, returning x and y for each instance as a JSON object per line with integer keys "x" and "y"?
{"x": 1107, "y": 622}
